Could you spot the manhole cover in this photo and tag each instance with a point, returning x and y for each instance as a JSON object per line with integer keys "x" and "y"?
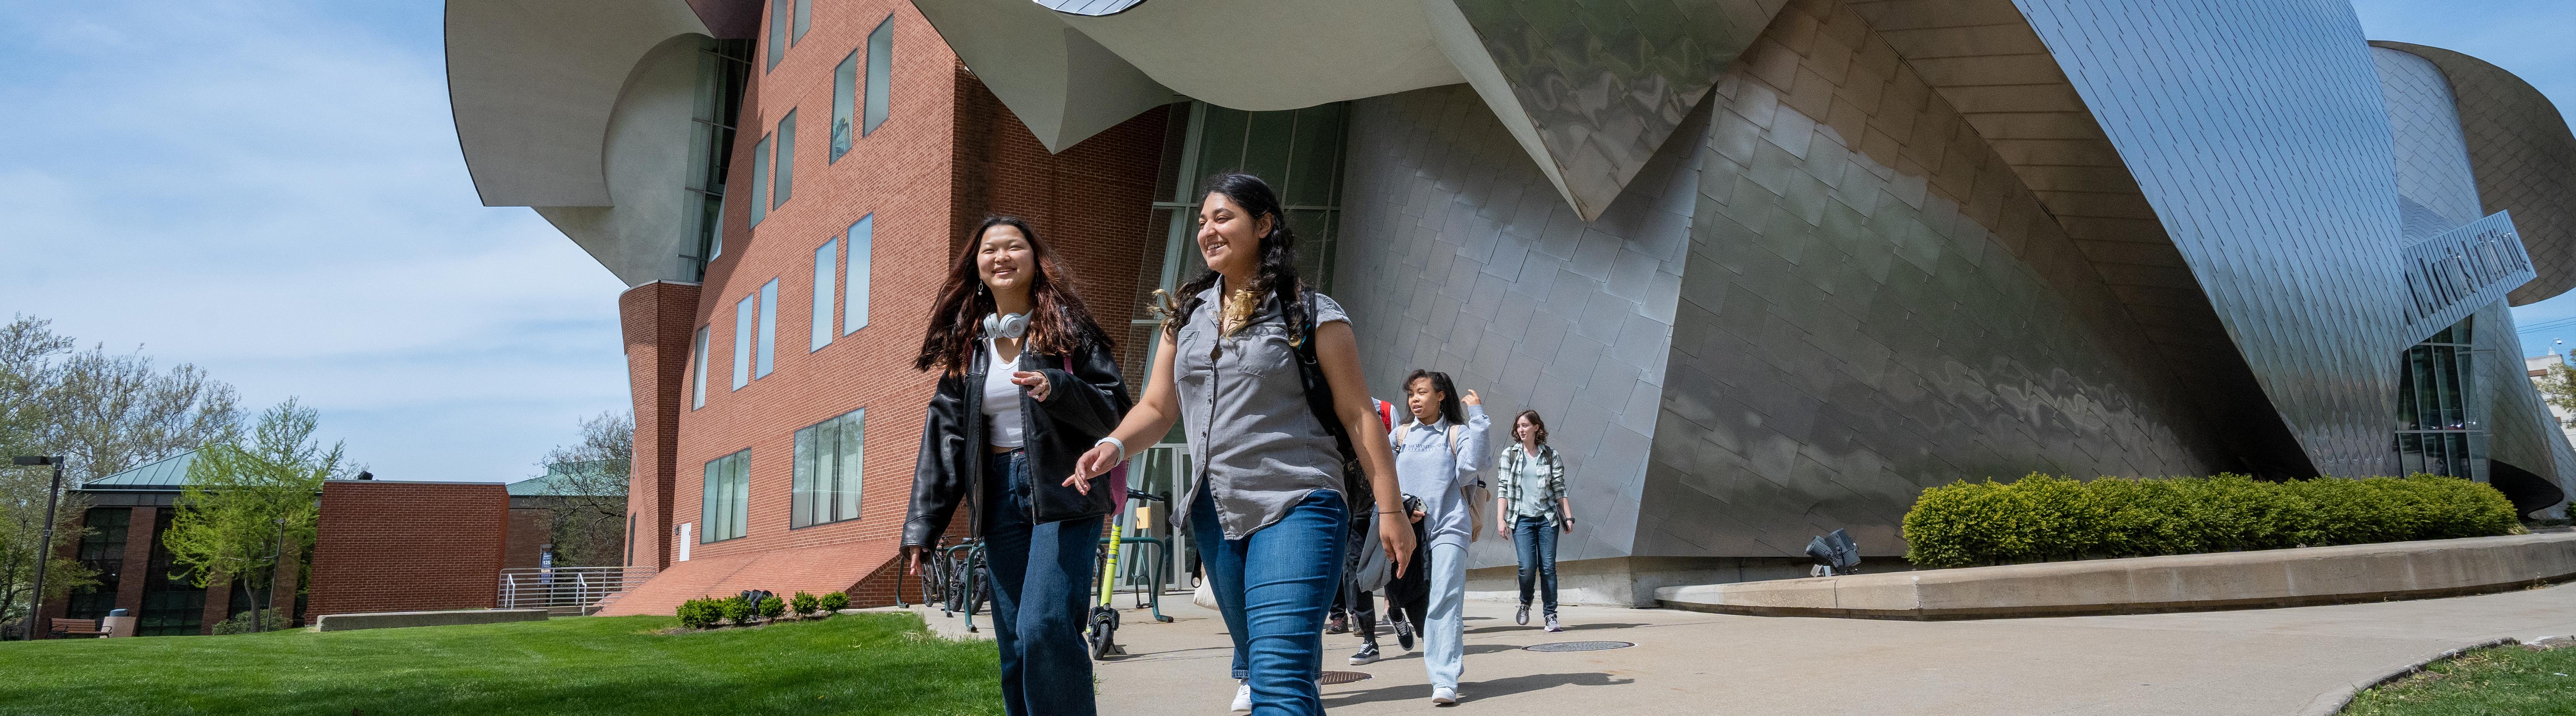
{"x": 1580, "y": 646}
{"x": 1342, "y": 677}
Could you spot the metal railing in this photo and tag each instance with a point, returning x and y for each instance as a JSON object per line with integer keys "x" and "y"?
{"x": 583, "y": 588}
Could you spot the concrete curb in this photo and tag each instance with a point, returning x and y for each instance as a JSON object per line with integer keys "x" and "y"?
{"x": 2333, "y": 702}
{"x": 396, "y": 620}
{"x": 2138, "y": 585}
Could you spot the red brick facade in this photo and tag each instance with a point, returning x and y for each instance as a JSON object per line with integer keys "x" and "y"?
{"x": 659, "y": 320}
{"x": 947, "y": 154}
{"x": 401, "y": 546}
{"x": 530, "y": 530}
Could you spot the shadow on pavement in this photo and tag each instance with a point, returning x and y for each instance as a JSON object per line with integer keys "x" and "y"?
{"x": 1474, "y": 691}
{"x": 1537, "y": 628}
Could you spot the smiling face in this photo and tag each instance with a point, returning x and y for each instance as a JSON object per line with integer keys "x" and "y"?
{"x": 1004, "y": 260}
{"x": 1423, "y": 400}
{"x": 1229, "y": 237}
{"x": 1522, "y": 430}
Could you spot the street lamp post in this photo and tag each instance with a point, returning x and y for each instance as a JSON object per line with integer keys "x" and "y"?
{"x": 44, "y": 545}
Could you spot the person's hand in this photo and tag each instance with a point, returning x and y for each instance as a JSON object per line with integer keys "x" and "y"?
{"x": 1503, "y": 532}
{"x": 1398, "y": 541}
{"x": 912, "y": 560}
{"x": 1566, "y": 525}
{"x": 1417, "y": 515}
{"x": 1093, "y": 463}
{"x": 1035, "y": 381}
{"x": 1471, "y": 399}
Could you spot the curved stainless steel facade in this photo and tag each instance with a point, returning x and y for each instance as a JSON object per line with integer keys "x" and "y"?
{"x": 2524, "y": 157}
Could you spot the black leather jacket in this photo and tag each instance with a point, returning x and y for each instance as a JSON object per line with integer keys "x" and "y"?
{"x": 1081, "y": 406}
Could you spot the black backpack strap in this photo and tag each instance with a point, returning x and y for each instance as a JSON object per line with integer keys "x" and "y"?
{"x": 1319, "y": 398}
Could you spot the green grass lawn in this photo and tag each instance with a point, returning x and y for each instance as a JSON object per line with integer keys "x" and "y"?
{"x": 852, "y": 664}
{"x": 2504, "y": 680}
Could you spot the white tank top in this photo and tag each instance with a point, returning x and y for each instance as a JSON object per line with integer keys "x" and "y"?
{"x": 1002, "y": 400}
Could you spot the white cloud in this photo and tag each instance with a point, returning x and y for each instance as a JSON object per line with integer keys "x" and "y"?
{"x": 273, "y": 191}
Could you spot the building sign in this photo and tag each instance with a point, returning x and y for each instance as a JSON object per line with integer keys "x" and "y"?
{"x": 2451, "y": 275}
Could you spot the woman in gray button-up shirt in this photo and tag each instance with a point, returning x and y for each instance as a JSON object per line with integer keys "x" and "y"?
{"x": 1266, "y": 508}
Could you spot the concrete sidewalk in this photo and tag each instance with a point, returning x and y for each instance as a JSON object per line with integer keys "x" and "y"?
{"x": 2272, "y": 662}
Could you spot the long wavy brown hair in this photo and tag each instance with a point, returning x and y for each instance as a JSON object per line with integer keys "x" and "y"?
{"x": 1058, "y": 323}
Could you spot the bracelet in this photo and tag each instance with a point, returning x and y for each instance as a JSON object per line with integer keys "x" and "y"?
{"x": 1122, "y": 445}
{"x": 1390, "y": 512}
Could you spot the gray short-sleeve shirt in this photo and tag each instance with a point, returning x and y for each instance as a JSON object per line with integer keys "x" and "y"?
{"x": 1258, "y": 446}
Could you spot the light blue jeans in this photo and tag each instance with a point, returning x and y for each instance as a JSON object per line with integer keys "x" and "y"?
{"x": 1444, "y": 637}
{"x": 1274, "y": 587}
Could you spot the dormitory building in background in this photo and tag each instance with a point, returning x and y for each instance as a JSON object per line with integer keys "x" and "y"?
{"x": 1769, "y": 268}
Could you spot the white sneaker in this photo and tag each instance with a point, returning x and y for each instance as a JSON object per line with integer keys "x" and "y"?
{"x": 1444, "y": 695}
{"x": 1243, "y": 699}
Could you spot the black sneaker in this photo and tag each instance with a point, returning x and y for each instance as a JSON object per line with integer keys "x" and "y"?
{"x": 1366, "y": 655}
{"x": 1338, "y": 625}
{"x": 1521, "y": 617}
{"x": 1403, "y": 633}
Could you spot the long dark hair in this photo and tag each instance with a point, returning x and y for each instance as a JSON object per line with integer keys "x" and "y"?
{"x": 1449, "y": 406}
{"x": 1277, "y": 275}
{"x": 1537, "y": 425}
{"x": 1058, "y": 323}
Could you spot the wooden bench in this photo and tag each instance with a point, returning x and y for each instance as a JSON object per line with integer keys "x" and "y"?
{"x": 78, "y": 627}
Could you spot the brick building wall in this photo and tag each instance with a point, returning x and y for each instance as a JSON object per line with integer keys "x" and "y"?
{"x": 531, "y": 529}
{"x": 658, "y": 321}
{"x": 1091, "y": 203}
{"x": 399, "y": 546}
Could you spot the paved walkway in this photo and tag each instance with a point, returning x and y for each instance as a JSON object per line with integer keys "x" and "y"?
{"x": 2271, "y": 662}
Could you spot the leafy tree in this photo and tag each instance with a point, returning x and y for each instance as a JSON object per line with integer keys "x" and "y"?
{"x": 104, "y": 412}
{"x": 244, "y": 494}
{"x": 2558, "y": 386}
{"x": 590, "y": 520}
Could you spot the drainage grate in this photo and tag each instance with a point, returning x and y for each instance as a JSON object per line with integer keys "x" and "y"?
{"x": 1580, "y": 646}
{"x": 1342, "y": 677}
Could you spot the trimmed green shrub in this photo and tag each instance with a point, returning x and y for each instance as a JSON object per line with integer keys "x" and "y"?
{"x": 700, "y": 613}
{"x": 2045, "y": 517}
{"x": 735, "y": 609}
{"x": 835, "y": 601}
{"x": 271, "y": 620}
{"x": 770, "y": 608}
{"x": 803, "y": 604}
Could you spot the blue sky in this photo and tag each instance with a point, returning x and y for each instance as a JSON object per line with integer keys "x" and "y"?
{"x": 272, "y": 190}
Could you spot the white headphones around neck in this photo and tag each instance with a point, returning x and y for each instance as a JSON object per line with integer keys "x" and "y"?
{"x": 1006, "y": 325}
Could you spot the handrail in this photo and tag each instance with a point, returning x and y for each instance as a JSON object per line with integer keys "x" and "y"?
{"x": 566, "y": 587}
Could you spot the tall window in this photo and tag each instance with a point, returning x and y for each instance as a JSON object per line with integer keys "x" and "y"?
{"x": 724, "y": 67}
{"x": 880, "y": 72}
{"x": 727, "y": 506}
{"x": 698, "y": 370}
{"x": 804, "y": 19}
{"x": 768, "y": 327}
{"x": 102, "y": 550}
{"x": 845, "y": 91}
{"x": 743, "y": 327}
{"x": 826, "y": 486}
{"x": 759, "y": 181}
{"x": 863, "y": 238}
{"x": 786, "y": 161}
{"x": 824, "y": 268}
{"x": 778, "y": 11}
{"x": 2440, "y": 428}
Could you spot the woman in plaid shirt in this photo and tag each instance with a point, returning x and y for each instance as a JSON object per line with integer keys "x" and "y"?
{"x": 1531, "y": 509}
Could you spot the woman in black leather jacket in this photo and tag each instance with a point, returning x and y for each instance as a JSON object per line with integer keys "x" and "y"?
{"x": 1027, "y": 382}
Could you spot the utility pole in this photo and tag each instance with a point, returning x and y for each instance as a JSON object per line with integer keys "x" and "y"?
{"x": 45, "y": 545}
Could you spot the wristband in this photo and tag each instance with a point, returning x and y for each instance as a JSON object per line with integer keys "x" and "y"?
{"x": 1122, "y": 446}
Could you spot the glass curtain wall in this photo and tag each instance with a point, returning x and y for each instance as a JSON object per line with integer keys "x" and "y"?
{"x": 2440, "y": 428}
{"x": 171, "y": 607}
{"x": 102, "y": 550}
{"x": 724, "y": 68}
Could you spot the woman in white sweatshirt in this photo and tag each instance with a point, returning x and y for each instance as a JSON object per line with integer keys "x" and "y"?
{"x": 1437, "y": 456}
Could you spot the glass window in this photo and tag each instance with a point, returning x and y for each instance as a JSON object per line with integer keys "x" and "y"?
{"x": 102, "y": 550}
{"x": 777, "y": 32}
{"x": 880, "y": 72}
{"x": 826, "y": 487}
{"x": 724, "y": 68}
{"x": 845, "y": 90}
{"x": 698, "y": 370}
{"x": 768, "y": 328}
{"x": 786, "y": 160}
{"x": 726, "y": 508}
{"x": 759, "y": 181}
{"x": 863, "y": 239}
{"x": 804, "y": 19}
{"x": 742, "y": 330}
{"x": 825, "y": 268}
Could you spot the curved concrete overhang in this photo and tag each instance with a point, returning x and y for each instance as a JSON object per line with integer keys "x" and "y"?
{"x": 533, "y": 84}
{"x": 1590, "y": 92}
{"x": 2524, "y": 158}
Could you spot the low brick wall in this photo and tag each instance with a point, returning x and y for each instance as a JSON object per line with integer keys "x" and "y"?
{"x": 395, "y": 620}
{"x": 2232, "y": 580}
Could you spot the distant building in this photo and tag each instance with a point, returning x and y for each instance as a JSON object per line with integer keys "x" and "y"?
{"x": 1769, "y": 269}
{"x": 2538, "y": 366}
{"x": 572, "y": 501}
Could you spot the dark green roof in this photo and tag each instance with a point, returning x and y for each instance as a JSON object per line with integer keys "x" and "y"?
{"x": 556, "y": 482}
{"x": 167, "y": 473}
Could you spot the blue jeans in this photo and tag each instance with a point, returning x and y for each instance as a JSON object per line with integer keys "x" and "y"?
{"x": 1274, "y": 587}
{"x": 1536, "y": 541}
{"x": 1041, "y": 576}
